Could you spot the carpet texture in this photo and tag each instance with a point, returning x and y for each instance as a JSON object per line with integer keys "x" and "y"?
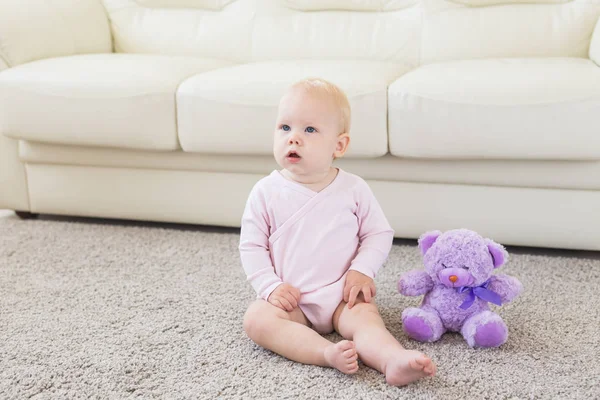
{"x": 113, "y": 310}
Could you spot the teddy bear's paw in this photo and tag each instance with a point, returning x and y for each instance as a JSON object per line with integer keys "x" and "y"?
{"x": 421, "y": 325}
{"x": 492, "y": 334}
{"x": 486, "y": 329}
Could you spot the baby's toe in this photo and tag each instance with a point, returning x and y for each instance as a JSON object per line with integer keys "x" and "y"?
{"x": 345, "y": 345}
{"x": 430, "y": 369}
{"x": 353, "y": 368}
{"x": 425, "y": 364}
{"x": 423, "y": 361}
{"x": 349, "y": 353}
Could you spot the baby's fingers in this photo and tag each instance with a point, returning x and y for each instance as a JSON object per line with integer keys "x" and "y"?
{"x": 347, "y": 293}
{"x": 296, "y": 293}
{"x": 367, "y": 293}
{"x": 289, "y": 296}
{"x": 276, "y": 303}
{"x": 354, "y": 291}
{"x": 285, "y": 303}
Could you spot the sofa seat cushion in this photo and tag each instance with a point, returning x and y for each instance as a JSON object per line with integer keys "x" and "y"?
{"x": 114, "y": 100}
{"x": 233, "y": 110}
{"x": 503, "y": 109}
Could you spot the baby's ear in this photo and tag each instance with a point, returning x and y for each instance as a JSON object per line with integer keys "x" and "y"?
{"x": 343, "y": 141}
{"x": 427, "y": 240}
{"x": 498, "y": 253}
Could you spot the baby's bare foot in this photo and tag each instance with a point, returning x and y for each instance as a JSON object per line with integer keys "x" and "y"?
{"x": 407, "y": 366}
{"x": 342, "y": 356}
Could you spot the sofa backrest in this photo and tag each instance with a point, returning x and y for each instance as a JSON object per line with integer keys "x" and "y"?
{"x": 556, "y": 28}
{"x": 34, "y": 29}
{"x": 259, "y": 30}
{"x": 595, "y": 45}
{"x": 412, "y": 32}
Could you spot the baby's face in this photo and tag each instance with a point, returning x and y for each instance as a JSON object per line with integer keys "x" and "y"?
{"x": 307, "y": 134}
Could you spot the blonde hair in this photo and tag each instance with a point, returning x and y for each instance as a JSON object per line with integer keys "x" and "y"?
{"x": 323, "y": 87}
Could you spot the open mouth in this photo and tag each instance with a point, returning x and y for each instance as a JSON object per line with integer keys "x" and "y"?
{"x": 293, "y": 154}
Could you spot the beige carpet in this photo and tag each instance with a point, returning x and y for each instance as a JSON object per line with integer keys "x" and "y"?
{"x": 101, "y": 309}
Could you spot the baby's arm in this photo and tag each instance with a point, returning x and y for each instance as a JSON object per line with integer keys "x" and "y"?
{"x": 375, "y": 233}
{"x": 254, "y": 246}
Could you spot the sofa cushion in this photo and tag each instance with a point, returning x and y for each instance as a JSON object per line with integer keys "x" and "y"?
{"x": 349, "y": 5}
{"x": 214, "y": 5}
{"x": 114, "y": 100}
{"x": 509, "y": 109}
{"x": 457, "y": 32}
{"x": 233, "y": 110}
{"x": 268, "y": 30}
{"x": 485, "y": 3}
{"x": 37, "y": 29}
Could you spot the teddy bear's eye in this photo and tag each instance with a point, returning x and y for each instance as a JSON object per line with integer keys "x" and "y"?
{"x": 444, "y": 265}
{"x": 465, "y": 267}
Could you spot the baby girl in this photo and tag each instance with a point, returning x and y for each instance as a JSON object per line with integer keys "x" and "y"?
{"x": 313, "y": 237}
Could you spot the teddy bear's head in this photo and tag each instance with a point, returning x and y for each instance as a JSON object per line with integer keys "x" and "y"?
{"x": 460, "y": 257}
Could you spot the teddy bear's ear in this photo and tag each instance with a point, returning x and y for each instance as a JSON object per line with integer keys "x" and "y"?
{"x": 427, "y": 240}
{"x": 498, "y": 253}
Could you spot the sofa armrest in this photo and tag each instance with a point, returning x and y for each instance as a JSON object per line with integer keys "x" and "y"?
{"x": 595, "y": 45}
{"x": 13, "y": 182}
{"x": 36, "y": 29}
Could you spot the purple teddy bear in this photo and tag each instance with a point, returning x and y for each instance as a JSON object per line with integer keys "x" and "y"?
{"x": 458, "y": 284}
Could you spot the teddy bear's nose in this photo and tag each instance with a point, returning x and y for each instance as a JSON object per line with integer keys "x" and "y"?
{"x": 453, "y": 278}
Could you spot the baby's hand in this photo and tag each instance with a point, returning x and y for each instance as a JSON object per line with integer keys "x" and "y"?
{"x": 356, "y": 283}
{"x": 285, "y": 296}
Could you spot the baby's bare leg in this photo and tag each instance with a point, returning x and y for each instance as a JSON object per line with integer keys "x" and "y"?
{"x": 288, "y": 334}
{"x": 376, "y": 346}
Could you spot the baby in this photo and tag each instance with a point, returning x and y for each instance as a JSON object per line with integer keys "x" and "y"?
{"x": 312, "y": 240}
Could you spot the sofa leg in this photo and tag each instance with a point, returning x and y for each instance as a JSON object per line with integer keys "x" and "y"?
{"x": 26, "y": 214}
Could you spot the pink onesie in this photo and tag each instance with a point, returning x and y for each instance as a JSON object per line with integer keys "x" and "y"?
{"x": 310, "y": 240}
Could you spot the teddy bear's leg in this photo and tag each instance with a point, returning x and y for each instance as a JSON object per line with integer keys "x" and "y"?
{"x": 485, "y": 329}
{"x": 422, "y": 325}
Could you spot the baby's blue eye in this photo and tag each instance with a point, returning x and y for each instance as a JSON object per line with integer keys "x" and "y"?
{"x": 286, "y": 128}
{"x": 310, "y": 129}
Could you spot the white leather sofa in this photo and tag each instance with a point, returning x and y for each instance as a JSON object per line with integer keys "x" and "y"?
{"x": 482, "y": 114}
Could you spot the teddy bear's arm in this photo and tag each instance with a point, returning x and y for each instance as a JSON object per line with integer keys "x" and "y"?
{"x": 415, "y": 283}
{"x": 506, "y": 286}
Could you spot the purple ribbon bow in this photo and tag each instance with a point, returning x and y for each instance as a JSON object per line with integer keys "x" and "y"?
{"x": 480, "y": 291}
